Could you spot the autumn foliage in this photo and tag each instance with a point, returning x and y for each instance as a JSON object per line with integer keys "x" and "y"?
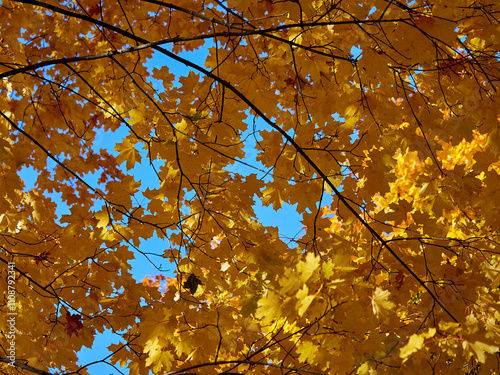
{"x": 377, "y": 120}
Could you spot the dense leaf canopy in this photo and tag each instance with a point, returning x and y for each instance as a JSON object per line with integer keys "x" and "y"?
{"x": 377, "y": 120}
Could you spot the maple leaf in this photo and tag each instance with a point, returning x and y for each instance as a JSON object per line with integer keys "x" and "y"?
{"x": 158, "y": 356}
{"x": 480, "y": 349}
{"x": 95, "y": 10}
{"x": 269, "y": 307}
{"x": 381, "y": 304}
{"x": 415, "y": 343}
{"x": 306, "y": 268}
{"x": 42, "y": 257}
{"x": 192, "y": 283}
{"x": 74, "y": 323}
{"x": 307, "y": 351}
{"x": 304, "y": 300}
{"x": 400, "y": 277}
{"x": 128, "y": 153}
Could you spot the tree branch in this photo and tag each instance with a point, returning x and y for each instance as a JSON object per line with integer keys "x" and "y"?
{"x": 24, "y": 366}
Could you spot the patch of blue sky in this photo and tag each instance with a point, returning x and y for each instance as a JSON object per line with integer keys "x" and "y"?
{"x": 175, "y": 67}
{"x": 286, "y": 219}
{"x": 101, "y": 365}
{"x": 356, "y": 52}
{"x": 415, "y": 72}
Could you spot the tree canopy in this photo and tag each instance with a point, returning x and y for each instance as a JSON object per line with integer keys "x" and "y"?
{"x": 377, "y": 120}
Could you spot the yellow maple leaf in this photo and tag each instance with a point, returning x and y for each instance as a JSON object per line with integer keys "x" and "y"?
{"x": 336, "y": 181}
{"x": 158, "y": 355}
{"x": 269, "y": 307}
{"x": 307, "y": 351}
{"x": 304, "y": 300}
{"x": 415, "y": 343}
{"x": 381, "y": 304}
{"x": 479, "y": 349}
{"x": 103, "y": 218}
{"x": 270, "y": 195}
{"x": 307, "y": 268}
{"x": 127, "y": 153}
